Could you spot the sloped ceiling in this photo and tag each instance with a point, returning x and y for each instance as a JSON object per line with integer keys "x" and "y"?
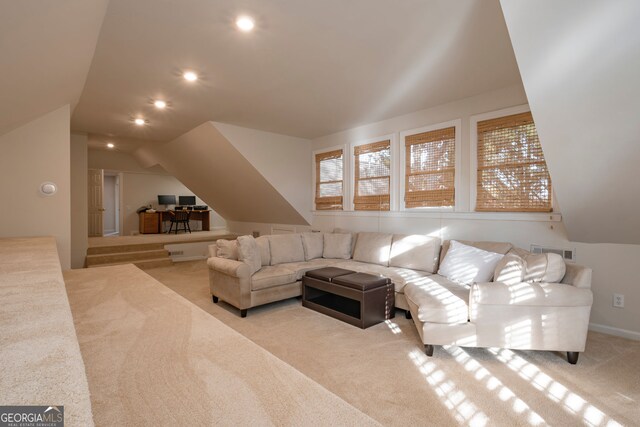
{"x": 580, "y": 65}
{"x": 210, "y": 166}
{"x": 310, "y": 68}
{"x": 46, "y": 49}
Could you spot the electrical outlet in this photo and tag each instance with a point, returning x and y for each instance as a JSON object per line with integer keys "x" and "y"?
{"x": 618, "y": 300}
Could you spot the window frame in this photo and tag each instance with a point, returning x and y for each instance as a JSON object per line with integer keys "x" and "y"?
{"x": 457, "y": 183}
{"x": 473, "y": 161}
{"x": 393, "y": 179}
{"x": 345, "y": 174}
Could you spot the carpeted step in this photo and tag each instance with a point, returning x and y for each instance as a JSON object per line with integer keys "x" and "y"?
{"x": 100, "y": 250}
{"x": 125, "y": 257}
{"x": 143, "y": 264}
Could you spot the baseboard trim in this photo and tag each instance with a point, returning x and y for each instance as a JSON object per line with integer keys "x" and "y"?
{"x": 188, "y": 258}
{"x": 618, "y": 332}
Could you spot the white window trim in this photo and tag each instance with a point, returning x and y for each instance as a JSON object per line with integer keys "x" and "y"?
{"x": 457, "y": 123}
{"x": 473, "y": 160}
{"x": 345, "y": 174}
{"x": 393, "y": 176}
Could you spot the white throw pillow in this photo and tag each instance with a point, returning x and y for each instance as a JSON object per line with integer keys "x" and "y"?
{"x": 265, "y": 252}
{"x": 286, "y": 248}
{"x": 249, "y": 253}
{"x": 467, "y": 265}
{"x": 313, "y": 245}
{"x": 227, "y": 249}
{"x": 510, "y": 270}
{"x": 337, "y": 245}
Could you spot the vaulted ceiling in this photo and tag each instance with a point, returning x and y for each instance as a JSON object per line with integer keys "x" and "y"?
{"x": 310, "y": 67}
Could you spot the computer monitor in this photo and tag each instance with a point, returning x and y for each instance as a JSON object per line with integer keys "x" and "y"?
{"x": 187, "y": 200}
{"x": 166, "y": 200}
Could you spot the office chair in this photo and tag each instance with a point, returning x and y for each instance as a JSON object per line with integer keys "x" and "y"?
{"x": 180, "y": 217}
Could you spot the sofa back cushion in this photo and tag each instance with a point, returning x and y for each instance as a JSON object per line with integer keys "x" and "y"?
{"x": 354, "y": 238}
{"x": 227, "y": 249}
{"x": 286, "y": 248}
{"x": 249, "y": 253}
{"x": 313, "y": 245}
{"x": 374, "y": 248}
{"x": 265, "y": 251}
{"x": 468, "y": 264}
{"x": 415, "y": 251}
{"x": 337, "y": 245}
{"x": 548, "y": 268}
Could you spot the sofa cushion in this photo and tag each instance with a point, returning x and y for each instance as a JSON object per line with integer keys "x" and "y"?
{"x": 530, "y": 294}
{"x": 399, "y": 276}
{"x": 415, "y": 251}
{"x": 285, "y": 248}
{"x": 249, "y": 253}
{"x": 468, "y": 264}
{"x": 497, "y": 247}
{"x": 265, "y": 251}
{"x": 354, "y": 237}
{"x": 301, "y": 268}
{"x": 548, "y": 268}
{"x": 272, "y": 275}
{"x": 313, "y": 245}
{"x": 337, "y": 245}
{"x": 227, "y": 249}
{"x": 510, "y": 270}
{"x": 374, "y": 248}
{"x": 439, "y": 300}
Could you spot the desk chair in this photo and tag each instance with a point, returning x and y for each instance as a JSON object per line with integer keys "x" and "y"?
{"x": 180, "y": 217}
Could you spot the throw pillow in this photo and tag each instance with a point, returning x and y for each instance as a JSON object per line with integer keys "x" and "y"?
{"x": 313, "y": 245}
{"x": 510, "y": 270}
{"x": 548, "y": 268}
{"x": 354, "y": 237}
{"x": 373, "y": 248}
{"x": 227, "y": 249}
{"x": 417, "y": 252}
{"x": 467, "y": 264}
{"x": 337, "y": 245}
{"x": 285, "y": 248}
{"x": 249, "y": 253}
{"x": 265, "y": 252}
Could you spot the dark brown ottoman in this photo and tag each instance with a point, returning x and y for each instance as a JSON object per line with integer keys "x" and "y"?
{"x": 359, "y": 299}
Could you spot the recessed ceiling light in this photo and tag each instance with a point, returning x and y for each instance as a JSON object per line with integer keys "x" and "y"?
{"x": 245, "y": 23}
{"x": 139, "y": 122}
{"x": 110, "y": 145}
{"x": 190, "y": 76}
{"x": 160, "y": 104}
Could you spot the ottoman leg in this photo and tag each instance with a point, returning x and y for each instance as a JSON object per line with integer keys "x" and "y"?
{"x": 428, "y": 350}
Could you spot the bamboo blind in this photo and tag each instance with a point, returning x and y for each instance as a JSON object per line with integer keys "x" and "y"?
{"x": 372, "y": 176}
{"x": 329, "y": 180}
{"x": 512, "y": 172}
{"x": 430, "y": 168}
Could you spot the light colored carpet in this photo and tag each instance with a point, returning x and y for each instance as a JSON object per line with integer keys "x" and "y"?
{"x": 153, "y": 358}
{"x": 383, "y": 372}
{"x": 40, "y": 362}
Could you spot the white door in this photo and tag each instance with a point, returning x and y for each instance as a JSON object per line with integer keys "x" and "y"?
{"x": 95, "y": 185}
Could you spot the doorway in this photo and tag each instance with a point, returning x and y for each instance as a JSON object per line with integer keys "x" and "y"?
{"x": 111, "y": 204}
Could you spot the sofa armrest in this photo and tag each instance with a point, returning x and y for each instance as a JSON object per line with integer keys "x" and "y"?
{"x": 213, "y": 250}
{"x": 578, "y": 276}
{"x": 530, "y": 294}
{"x": 230, "y": 267}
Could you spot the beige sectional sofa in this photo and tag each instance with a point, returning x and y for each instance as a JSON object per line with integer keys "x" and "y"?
{"x": 524, "y": 310}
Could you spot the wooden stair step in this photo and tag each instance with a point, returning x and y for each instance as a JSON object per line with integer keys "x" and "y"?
{"x": 101, "y": 250}
{"x": 125, "y": 257}
{"x": 143, "y": 264}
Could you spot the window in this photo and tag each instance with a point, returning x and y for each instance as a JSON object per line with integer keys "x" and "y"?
{"x": 430, "y": 168}
{"x": 329, "y": 179}
{"x": 372, "y": 176}
{"x": 512, "y": 173}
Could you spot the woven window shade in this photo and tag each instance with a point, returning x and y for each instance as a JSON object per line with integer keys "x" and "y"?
{"x": 430, "y": 168}
{"x": 329, "y": 178}
{"x": 512, "y": 172}
{"x": 372, "y": 176}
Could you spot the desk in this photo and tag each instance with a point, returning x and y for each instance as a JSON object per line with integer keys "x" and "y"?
{"x": 151, "y": 223}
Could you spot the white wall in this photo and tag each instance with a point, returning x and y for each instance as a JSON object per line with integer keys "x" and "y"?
{"x": 37, "y": 152}
{"x": 79, "y": 208}
{"x": 281, "y": 159}
{"x": 141, "y": 187}
{"x": 613, "y": 265}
